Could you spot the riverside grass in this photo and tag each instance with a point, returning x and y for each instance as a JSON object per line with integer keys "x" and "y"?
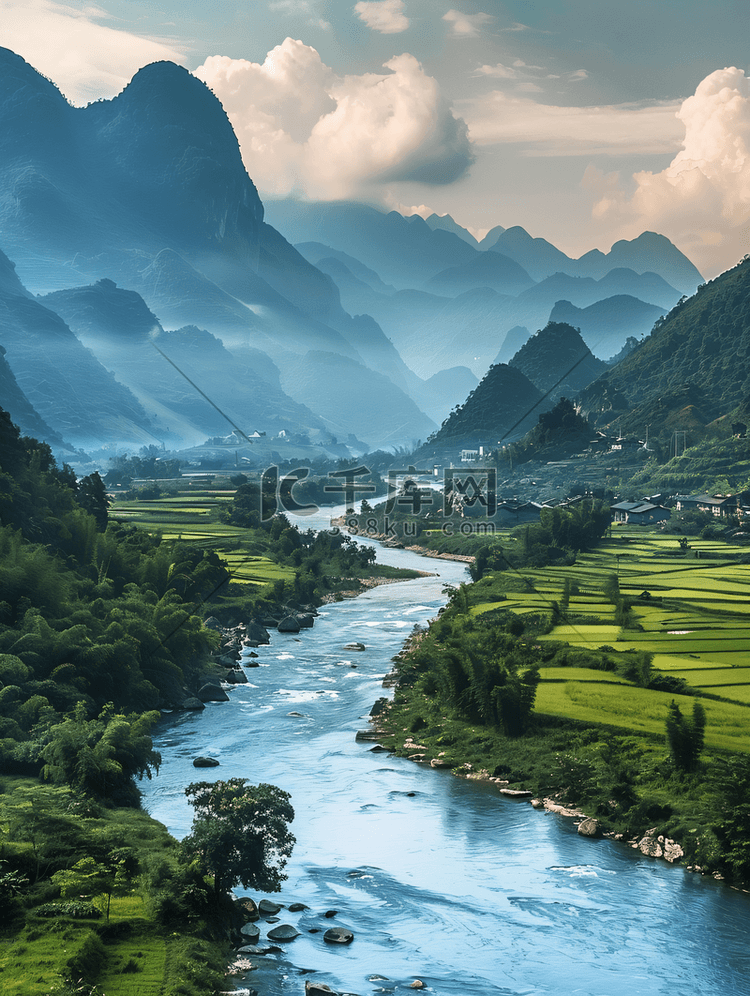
{"x": 130, "y": 953}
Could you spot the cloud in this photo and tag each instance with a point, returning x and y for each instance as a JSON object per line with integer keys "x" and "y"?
{"x": 301, "y": 128}
{"x": 550, "y": 130}
{"x": 702, "y": 199}
{"x": 300, "y": 7}
{"x": 466, "y": 25}
{"x": 386, "y": 16}
{"x": 85, "y": 58}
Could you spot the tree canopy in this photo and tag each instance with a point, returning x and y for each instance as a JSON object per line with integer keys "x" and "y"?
{"x": 240, "y": 833}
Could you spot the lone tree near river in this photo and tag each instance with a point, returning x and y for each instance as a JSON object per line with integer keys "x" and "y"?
{"x": 240, "y": 833}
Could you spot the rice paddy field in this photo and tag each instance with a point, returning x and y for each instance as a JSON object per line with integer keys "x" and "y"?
{"x": 192, "y": 516}
{"x": 691, "y": 611}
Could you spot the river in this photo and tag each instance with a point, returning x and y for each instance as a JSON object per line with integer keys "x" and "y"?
{"x": 440, "y": 879}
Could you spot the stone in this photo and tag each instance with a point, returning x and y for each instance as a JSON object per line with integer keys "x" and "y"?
{"x": 284, "y": 932}
{"x": 438, "y": 762}
{"x": 212, "y": 693}
{"x": 297, "y": 907}
{"x": 305, "y": 620}
{"x": 266, "y": 907}
{"x": 236, "y": 677}
{"x": 288, "y": 625}
{"x": 330, "y": 913}
{"x": 589, "y": 828}
{"x": 380, "y": 749}
{"x": 672, "y": 851}
{"x": 338, "y": 935}
{"x": 192, "y": 704}
{"x": 205, "y": 762}
{"x": 354, "y": 646}
{"x": 516, "y": 793}
{"x": 250, "y": 931}
{"x": 417, "y": 984}
{"x": 212, "y": 623}
{"x": 318, "y": 989}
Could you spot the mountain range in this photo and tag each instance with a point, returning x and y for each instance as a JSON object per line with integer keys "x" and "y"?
{"x": 145, "y": 266}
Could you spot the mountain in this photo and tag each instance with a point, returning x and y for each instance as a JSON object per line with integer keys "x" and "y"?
{"x": 488, "y": 269}
{"x": 405, "y": 252}
{"x": 704, "y": 340}
{"x": 338, "y": 390}
{"x": 447, "y": 224}
{"x": 68, "y": 387}
{"x": 606, "y": 325}
{"x": 537, "y": 256}
{"x": 558, "y": 361}
{"x": 514, "y": 339}
{"x": 149, "y": 190}
{"x": 118, "y": 327}
{"x": 22, "y": 412}
{"x": 503, "y": 406}
{"x": 649, "y": 252}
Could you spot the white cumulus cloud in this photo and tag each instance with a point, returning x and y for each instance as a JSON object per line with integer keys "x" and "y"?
{"x": 304, "y": 129}
{"x": 87, "y": 59}
{"x": 466, "y": 25}
{"x": 702, "y": 199}
{"x": 386, "y": 16}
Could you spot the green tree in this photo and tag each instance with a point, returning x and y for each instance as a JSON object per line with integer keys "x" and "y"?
{"x": 686, "y": 736}
{"x": 240, "y": 833}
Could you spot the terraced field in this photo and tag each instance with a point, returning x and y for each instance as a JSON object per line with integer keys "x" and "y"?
{"x": 691, "y": 611}
{"x": 192, "y": 517}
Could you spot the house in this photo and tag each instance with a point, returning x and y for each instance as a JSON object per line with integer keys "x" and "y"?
{"x": 640, "y": 513}
{"x": 719, "y": 505}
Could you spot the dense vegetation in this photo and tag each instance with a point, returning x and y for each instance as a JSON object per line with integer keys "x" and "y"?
{"x": 101, "y": 623}
{"x": 618, "y": 682}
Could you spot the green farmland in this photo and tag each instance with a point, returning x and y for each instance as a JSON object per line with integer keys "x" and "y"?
{"x": 689, "y": 609}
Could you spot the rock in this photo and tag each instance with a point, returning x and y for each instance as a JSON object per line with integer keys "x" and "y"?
{"x": 212, "y": 623}
{"x": 330, "y": 913}
{"x": 439, "y": 762}
{"x": 251, "y": 931}
{"x": 205, "y": 762}
{"x": 362, "y": 736}
{"x": 650, "y": 846}
{"x": 212, "y": 693}
{"x": 257, "y": 634}
{"x": 284, "y": 932}
{"x": 288, "y": 625}
{"x": 417, "y": 984}
{"x": 318, "y": 989}
{"x": 251, "y": 663}
{"x": 297, "y": 907}
{"x": 305, "y": 620}
{"x": 338, "y": 935}
{"x": 296, "y": 715}
{"x": 248, "y": 908}
{"x": 589, "y": 828}
{"x": 672, "y": 851}
{"x": 355, "y": 646}
{"x": 252, "y": 654}
{"x": 379, "y": 705}
{"x": 236, "y": 677}
{"x": 516, "y": 793}
{"x": 380, "y": 749}
{"x": 266, "y": 907}
{"x": 192, "y": 704}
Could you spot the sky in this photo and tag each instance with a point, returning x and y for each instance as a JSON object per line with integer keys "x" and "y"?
{"x": 584, "y": 121}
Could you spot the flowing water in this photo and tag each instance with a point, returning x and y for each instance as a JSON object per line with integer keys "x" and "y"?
{"x": 439, "y": 879}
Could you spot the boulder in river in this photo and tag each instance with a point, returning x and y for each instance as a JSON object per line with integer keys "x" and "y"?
{"x": 192, "y": 704}
{"x": 284, "y": 932}
{"x": 267, "y": 907}
{"x": 318, "y": 989}
{"x": 212, "y": 693}
{"x": 589, "y": 828}
{"x": 305, "y": 620}
{"x": 236, "y": 677}
{"x": 338, "y": 935}
{"x": 355, "y": 646}
{"x": 205, "y": 762}
{"x": 288, "y": 624}
{"x": 251, "y": 932}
